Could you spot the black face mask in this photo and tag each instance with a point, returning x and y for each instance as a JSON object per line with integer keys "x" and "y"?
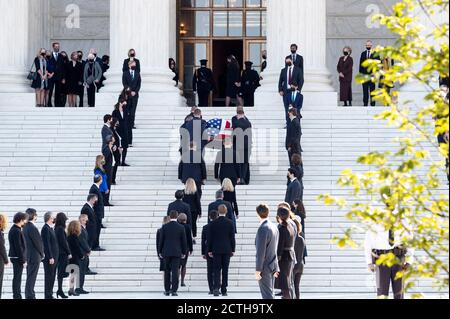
{"x": 132, "y": 55}
{"x": 43, "y": 54}
{"x": 293, "y": 51}
{"x": 346, "y": 53}
{"x": 293, "y": 89}
{"x": 91, "y": 61}
{"x": 289, "y": 63}
{"x": 264, "y": 57}
{"x": 369, "y": 48}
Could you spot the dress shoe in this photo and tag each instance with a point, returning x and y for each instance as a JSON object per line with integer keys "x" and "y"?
{"x": 61, "y": 294}
{"x": 183, "y": 284}
{"x": 167, "y": 294}
{"x": 90, "y": 273}
{"x": 224, "y": 294}
{"x": 103, "y": 226}
{"x": 81, "y": 292}
{"x": 98, "y": 249}
{"x": 216, "y": 293}
{"x": 134, "y": 127}
{"x": 279, "y": 294}
{"x": 49, "y": 298}
{"x": 114, "y": 183}
{"x": 210, "y": 293}
{"x": 174, "y": 294}
{"x": 109, "y": 205}
{"x": 125, "y": 165}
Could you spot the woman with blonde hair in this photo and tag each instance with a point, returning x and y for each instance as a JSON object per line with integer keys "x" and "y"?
{"x": 229, "y": 195}
{"x": 74, "y": 231}
{"x": 100, "y": 170}
{"x": 3, "y": 256}
{"x": 40, "y": 80}
{"x": 192, "y": 198}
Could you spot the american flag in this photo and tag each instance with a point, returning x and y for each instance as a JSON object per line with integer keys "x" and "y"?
{"x": 219, "y": 128}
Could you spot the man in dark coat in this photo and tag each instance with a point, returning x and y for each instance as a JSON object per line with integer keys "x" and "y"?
{"x": 369, "y": 86}
{"x": 221, "y": 243}
{"x": 213, "y": 215}
{"x": 99, "y": 207}
{"x": 193, "y": 166}
{"x": 106, "y": 129}
{"x": 86, "y": 251}
{"x": 297, "y": 59}
{"x": 35, "y": 252}
{"x": 242, "y": 143}
{"x": 214, "y": 206}
{"x": 294, "y": 190}
{"x": 131, "y": 81}
{"x": 88, "y": 209}
{"x": 294, "y": 135}
{"x": 181, "y": 207}
{"x": 203, "y": 83}
{"x": 194, "y": 131}
{"x": 51, "y": 253}
{"x": 17, "y": 252}
{"x": 172, "y": 244}
{"x": 249, "y": 83}
{"x": 289, "y": 75}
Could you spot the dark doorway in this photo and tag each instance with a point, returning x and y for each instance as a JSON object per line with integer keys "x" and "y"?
{"x": 221, "y": 50}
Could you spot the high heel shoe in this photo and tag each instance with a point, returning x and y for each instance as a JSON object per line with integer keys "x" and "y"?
{"x": 73, "y": 293}
{"x": 61, "y": 294}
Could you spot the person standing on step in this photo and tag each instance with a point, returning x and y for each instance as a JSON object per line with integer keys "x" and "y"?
{"x": 64, "y": 252}
{"x": 100, "y": 170}
{"x": 73, "y": 234}
{"x": 131, "y": 81}
{"x": 182, "y": 219}
{"x": 192, "y": 198}
{"x": 233, "y": 81}
{"x": 286, "y": 253}
{"x": 91, "y": 78}
{"x": 219, "y": 202}
{"x": 108, "y": 153}
{"x": 106, "y": 128}
{"x": 51, "y": 253}
{"x": 228, "y": 164}
{"x": 3, "y": 255}
{"x": 297, "y": 60}
{"x": 180, "y": 206}
{"x": 162, "y": 267}
{"x": 81, "y": 88}
{"x": 73, "y": 77}
{"x": 368, "y": 86}
{"x": 267, "y": 267}
{"x": 35, "y": 252}
{"x": 203, "y": 83}
{"x": 86, "y": 252}
{"x": 40, "y": 82}
{"x": 92, "y": 227}
{"x": 293, "y": 135}
{"x": 221, "y": 247}
{"x": 250, "y": 82}
{"x": 229, "y": 195}
{"x": 172, "y": 246}
{"x": 213, "y": 215}
{"x": 242, "y": 143}
{"x": 295, "y": 189}
{"x": 289, "y": 75}
{"x": 117, "y": 150}
{"x": 300, "y": 249}
{"x": 55, "y": 84}
{"x": 131, "y": 58}
{"x": 99, "y": 207}
{"x": 122, "y": 129}
{"x": 17, "y": 252}
{"x": 295, "y": 98}
{"x": 192, "y": 165}
{"x": 345, "y": 70}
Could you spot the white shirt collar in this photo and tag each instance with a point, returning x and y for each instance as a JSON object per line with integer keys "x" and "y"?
{"x": 263, "y": 221}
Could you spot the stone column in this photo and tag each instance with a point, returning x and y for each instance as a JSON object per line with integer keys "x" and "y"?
{"x": 14, "y": 61}
{"x": 304, "y": 23}
{"x": 143, "y": 25}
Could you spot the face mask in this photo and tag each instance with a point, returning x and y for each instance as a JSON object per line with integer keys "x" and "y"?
{"x": 264, "y": 57}
{"x": 133, "y": 68}
{"x": 103, "y": 162}
{"x": 289, "y": 63}
{"x": 293, "y": 51}
{"x": 293, "y": 89}
{"x": 346, "y": 53}
{"x": 132, "y": 55}
{"x": 369, "y": 48}
{"x": 43, "y": 54}
{"x": 91, "y": 61}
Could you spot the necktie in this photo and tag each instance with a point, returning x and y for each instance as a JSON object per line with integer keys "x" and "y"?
{"x": 391, "y": 238}
{"x": 293, "y": 96}
{"x": 368, "y": 54}
{"x": 132, "y": 75}
{"x": 290, "y": 75}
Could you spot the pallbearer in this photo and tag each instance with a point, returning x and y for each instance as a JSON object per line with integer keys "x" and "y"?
{"x": 250, "y": 82}
{"x": 203, "y": 83}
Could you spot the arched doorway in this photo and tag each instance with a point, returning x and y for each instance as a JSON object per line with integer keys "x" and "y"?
{"x": 213, "y": 29}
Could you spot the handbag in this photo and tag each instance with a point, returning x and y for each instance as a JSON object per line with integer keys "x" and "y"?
{"x": 32, "y": 75}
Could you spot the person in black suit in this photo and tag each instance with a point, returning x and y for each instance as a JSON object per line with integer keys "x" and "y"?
{"x": 35, "y": 252}
{"x": 369, "y": 86}
{"x": 106, "y": 129}
{"x": 162, "y": 266}
{"x": 242, "y": 143}
{"x": 172, "y": 246}
{"x": 131, "y": 81}
{"x": 55, "y": 82}
{"x": 92, "y": 228}
{"x": 192, "y": 198}
{"x": 194, "y": 132}
{"x": 294, "y": 190}
{"x": 219, "y": 202}
{"x": 293, "y": 135}
{"x": 51, "y": 254}
{"x": 181, "y": 207}
{"x": 108, "y": 153}
{"x": 122, "y": 129}
{"x": 99, "y": 207}
{"x": 221, "y": 247}
{"x": 131, "y": 57}
{"x": 295, "y": 98}
{"x": 81, "y": 87}
{"x": 227, "y": 164}
{"x": 117, "y": 153}
{"x": 249, "y": 83}
{"x": 289, "y": 75}
{"x": 3, "y": 255}
{"x": 203, "y": 83}
{"x": 86, "y": 252}
{"x": 182, "y": 219}
{"x": 64, "y": 252}
{"x": 297, "y": 59}
{"x": 285, "y": 253}
{"x": 233, "y": 81}
{"x": 192, "y": 165}
{"x": 213, "y": 215}
{"x": 17, "y": 252}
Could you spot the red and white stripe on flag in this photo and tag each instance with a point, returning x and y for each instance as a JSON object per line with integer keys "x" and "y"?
{"x": 226, "y": 130}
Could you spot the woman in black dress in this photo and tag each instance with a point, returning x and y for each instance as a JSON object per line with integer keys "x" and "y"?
{"x": 285, "y": 253}
{"x": 229, "y": 195}
{"x": 123, "y": 129}
{"x": 64, "y": 252}
{"x": 300, "y": 248}
{"x": 73, "y": 79}
{"x": 74, "y": 231}
{"x": 233, "y": 81}
{"x": 345, "y": 70}
{"x": 117, "y": 153}
{"x": 192, "y": 198}
{"x": 66, "y": 61}
{"x": 40, "y": 83}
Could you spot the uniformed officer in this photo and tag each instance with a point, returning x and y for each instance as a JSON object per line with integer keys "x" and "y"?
{"x": 250, "y": 82}
{"x": 203, "y": 83}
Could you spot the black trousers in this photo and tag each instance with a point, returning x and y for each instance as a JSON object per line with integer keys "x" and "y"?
{"x": 171, "y": 273}
{"x": 203, "y": 98}
{"x": 51, "y": 88}
{"x": 132, "y": 104}
{"x": 245, "y": 173}
{"x": 368, "y": 88}
{"x": 84, "y": 263}
{"x": 32, "y": 272}
{"x": 63, "y": 261}
{"x": 49, "y": 278}
{"x": 385, "y": 276}
{"x": 92, "y": 235}
{"x": 210, "y": 270}
{"x": 99, "y": 230}
{"x": 59, "y": 101}
{"x": 17, "y": 279}
{"x": 91, "y": 95}
{"x": 249, "y": 99}
{"x": 2, "y": 271}
{"x": 81, "y": 95}
{"x": 221, "y": 264}
{"x": 194, "y": 225}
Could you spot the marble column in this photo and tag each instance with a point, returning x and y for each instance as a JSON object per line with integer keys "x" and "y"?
{"x": 143, "y": 25}
{"x": 14, "y": 61}
{"x": 304, "y": 23}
